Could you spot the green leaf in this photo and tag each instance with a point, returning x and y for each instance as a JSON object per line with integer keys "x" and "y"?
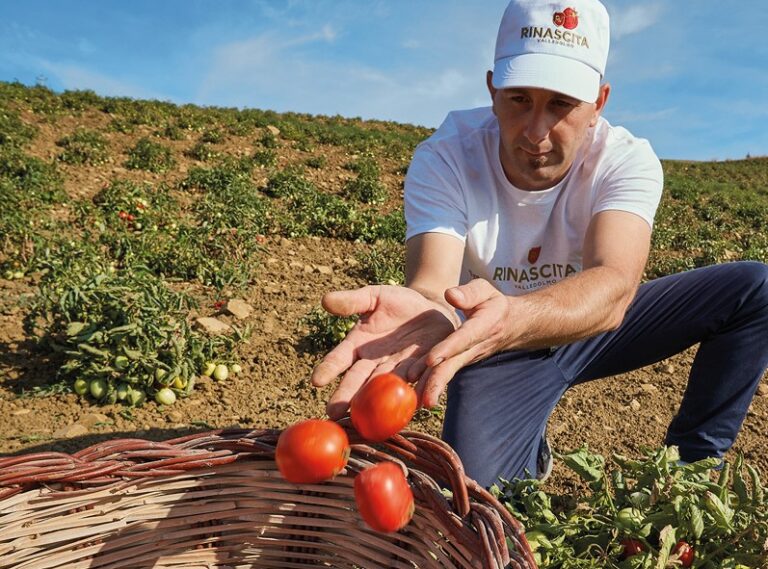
{"x": 696, "y": 521}
{"x": 590, "y": 467}
{"x": 719, "y": 511}
{"x": 667, "y": 541}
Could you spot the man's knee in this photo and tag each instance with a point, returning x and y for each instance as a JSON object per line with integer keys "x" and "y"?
{"x": 754, "y": 276}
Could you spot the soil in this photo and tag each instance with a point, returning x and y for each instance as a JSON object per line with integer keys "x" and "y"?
{"x": 619, "y": 414}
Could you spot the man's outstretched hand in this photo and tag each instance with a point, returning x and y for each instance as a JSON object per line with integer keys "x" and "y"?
{"x": 397, "y": 328}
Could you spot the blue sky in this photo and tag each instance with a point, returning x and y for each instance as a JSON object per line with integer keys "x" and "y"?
{"x": 691, "y": 76}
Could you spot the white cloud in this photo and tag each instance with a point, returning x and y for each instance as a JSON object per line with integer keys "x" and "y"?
{"x": 277, "y": 72}
{"x": 76, "y": 77}
{"x": 625, "y": 22}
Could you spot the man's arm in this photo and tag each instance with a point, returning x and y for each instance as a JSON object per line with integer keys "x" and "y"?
{"x": 615, "y": 252}
{"x": 432, "y": 266}
{"x": 593, "y": 301}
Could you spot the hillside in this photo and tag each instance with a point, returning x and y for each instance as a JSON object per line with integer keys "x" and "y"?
{"x": 103, "y": 199}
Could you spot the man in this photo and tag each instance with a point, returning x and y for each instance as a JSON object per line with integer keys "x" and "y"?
{"x": 529, "y": 225}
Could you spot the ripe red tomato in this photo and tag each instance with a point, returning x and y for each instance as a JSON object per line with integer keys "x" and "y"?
{"x": 312, "y": 451}
{"x": 684, "y": 552}
{"x": 383, "y": 406}
{"x": 631, "y": 547}
{"x": 383, "y": 497}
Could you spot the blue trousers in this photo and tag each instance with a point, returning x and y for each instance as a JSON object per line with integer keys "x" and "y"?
{"x": 497, "y": 409}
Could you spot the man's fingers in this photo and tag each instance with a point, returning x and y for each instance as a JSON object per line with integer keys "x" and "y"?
{"x": 417, "y": 369}
{"x": 434, "y": 381}
{"x": 470, "y": 334}
{"x": 349, "y": 302}
{"x": 357, "y": 375}
{"x": 336, "y": 362}
{"x": 471, "y": 294}
{"x": 386, "y": 366}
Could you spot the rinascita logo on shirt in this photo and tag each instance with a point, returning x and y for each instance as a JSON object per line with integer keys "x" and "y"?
{"x": 534, "y": 273}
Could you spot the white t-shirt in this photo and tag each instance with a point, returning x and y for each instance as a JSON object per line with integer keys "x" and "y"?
{"x": 523, "y": 240}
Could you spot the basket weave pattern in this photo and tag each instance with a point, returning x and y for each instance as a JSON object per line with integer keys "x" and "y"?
{"x": 216, "y": 500}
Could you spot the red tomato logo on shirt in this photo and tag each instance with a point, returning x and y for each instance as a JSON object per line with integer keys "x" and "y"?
{"x": 533, "y": 254}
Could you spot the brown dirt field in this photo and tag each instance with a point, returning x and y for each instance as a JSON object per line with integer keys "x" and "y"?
{"x": 619, "y": 414}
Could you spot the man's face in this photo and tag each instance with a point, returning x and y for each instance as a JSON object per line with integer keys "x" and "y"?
{"x": 541, "y": 131}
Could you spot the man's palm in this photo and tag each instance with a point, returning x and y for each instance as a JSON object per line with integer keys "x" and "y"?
{"x": 397, "y": 327}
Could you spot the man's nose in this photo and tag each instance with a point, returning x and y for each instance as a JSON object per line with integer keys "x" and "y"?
{"x": 537, "y": 127}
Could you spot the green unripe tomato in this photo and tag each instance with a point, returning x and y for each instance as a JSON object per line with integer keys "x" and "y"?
{"x": 235, "y": 368}
{"x": 160, "y": 373}
{"x": 221, "y": 372}
{"x": 629, "y": 518}
{"x": 208, "y": 369}
{"x": 121, "y": 363}
{"x": 98, "y": 388}
{"x": 81, "y": 386}
{"x": 136, "y": 397}
{"x": 122, "y": 391}
{"x": 165, "y": 396}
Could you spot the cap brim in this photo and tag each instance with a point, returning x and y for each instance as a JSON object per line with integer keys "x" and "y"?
{"x": 551, "y": 72}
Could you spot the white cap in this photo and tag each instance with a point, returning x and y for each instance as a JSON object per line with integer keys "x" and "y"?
{"x": 559, "y": 46}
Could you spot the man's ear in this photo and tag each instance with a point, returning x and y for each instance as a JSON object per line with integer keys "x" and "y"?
{"x": 489, "y": 83}
{"x": 491, "y": 88}
{"x": 602, "y": 99}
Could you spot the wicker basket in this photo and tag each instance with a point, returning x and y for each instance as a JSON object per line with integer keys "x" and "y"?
{"x": 216, "y": 500}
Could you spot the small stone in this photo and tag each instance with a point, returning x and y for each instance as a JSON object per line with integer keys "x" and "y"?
{"x": 174, "y": 417}
{"x": 20, "y": 412}
{"x": 296, "y": 265}
{"x": 273, "y": 130}
{"x": 212, "y": 325}
{"x": 90, "y": 420}
{"x": 239, "y": 308}
{"x": 762, "y": 390}
{"x": 272, "y": 261}
{"x": 324, "y": 270}
{"x": 309, "y": 269}
{"x": 285, "y": 242}
{"x": 649, "y": 388}
{"x": 669, "y": 369}
{"x": 634, "y": 405}
{"x": 71, "y": 431}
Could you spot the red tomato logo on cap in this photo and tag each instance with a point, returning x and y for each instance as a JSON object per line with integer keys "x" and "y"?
{"x": 568, "y": 18}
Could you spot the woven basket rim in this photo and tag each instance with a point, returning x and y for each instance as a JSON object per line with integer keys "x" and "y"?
{"x": 476, "y": 524}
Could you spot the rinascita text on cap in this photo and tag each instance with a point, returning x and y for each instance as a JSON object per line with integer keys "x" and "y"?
{"x": 558, "y": 36}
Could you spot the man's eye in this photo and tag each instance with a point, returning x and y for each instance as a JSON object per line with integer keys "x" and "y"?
{"x": 562, "y": 103}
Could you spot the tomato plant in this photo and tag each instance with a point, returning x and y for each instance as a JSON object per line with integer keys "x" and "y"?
{"x": 312, "y": 451}
{"x": 383, "y": 497}
{"x": 383, "y": 406}
{"x": 684, "y": 552}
